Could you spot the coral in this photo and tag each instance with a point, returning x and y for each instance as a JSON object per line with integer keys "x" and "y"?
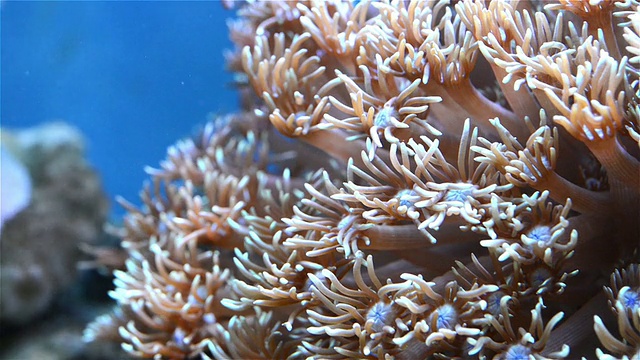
{"x": 40, "y": 245}
{"x": 484, "y": 155}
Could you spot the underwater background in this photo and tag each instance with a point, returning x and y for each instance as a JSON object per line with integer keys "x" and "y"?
{"x": 133, "y": 77}
{"x": 128, "y": 79}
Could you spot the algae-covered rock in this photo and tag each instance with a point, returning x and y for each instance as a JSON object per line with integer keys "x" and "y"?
{"x": 39, "y": 246}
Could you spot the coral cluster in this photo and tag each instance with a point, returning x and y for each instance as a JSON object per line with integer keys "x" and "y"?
{"x": 409, "y": 179}
{"x": 40, "y": 245}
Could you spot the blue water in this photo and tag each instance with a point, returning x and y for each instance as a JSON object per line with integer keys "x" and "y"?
{"x": 132, "y": 76}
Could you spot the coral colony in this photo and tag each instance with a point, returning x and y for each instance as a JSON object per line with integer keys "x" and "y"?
{"x": 410, "y": 180}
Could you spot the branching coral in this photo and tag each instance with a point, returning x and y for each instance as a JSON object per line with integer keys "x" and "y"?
{"x": 369, "y": 135}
